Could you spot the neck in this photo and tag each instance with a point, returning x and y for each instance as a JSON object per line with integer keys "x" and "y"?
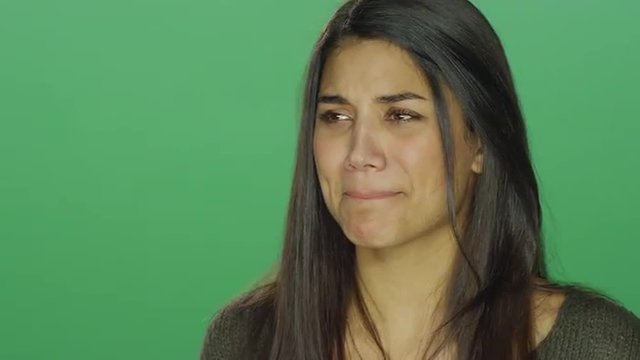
{"x": 402, "y": 286}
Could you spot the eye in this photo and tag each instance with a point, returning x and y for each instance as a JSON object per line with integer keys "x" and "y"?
{"x": 403, "y": 115}
{"x": 332, "y": 116}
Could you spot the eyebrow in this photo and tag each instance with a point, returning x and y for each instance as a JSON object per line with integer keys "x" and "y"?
{"x": 385, "y": 99}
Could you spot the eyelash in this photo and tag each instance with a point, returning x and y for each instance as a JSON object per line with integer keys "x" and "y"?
{"x": 405, "y": 112}
{"x": 327, "y": 116}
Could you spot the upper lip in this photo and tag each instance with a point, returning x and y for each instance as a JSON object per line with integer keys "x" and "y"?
{"x": 369, "y": 194}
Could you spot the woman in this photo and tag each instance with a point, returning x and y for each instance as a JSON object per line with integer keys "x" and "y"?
{"x": 414, "y": 226}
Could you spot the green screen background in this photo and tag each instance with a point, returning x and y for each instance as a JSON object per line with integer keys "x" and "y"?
{"x": 146, "y": 149}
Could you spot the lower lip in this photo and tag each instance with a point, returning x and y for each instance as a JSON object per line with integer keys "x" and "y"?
{"x": 376, "y": 197}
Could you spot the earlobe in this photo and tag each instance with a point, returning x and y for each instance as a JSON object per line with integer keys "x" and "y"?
{"x": 478, "y": 161}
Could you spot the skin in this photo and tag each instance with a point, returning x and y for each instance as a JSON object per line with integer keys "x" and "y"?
{"x": 376, "y": 131}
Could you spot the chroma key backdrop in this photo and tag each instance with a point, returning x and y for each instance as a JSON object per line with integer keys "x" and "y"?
{"x": 147, "y": 147}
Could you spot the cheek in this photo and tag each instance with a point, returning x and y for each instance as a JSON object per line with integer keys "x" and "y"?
{"x": 322, "y": 156}
{"x": 327, "y": 159}
{"x": 423, "y": 160}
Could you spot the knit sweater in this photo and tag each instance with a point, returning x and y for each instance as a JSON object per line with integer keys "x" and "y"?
{"x": 587, "y": 327}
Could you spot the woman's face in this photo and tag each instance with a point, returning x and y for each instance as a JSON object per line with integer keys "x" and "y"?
{"x": 378, "y": 150}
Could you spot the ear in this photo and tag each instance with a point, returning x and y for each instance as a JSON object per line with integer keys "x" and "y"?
{"x": 478, "y": 159}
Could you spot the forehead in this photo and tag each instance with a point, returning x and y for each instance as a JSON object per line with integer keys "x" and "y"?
{"x": 371, "y": 66}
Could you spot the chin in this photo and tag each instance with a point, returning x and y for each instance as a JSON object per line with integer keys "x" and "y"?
{"x": 371, "y": 237}
{"x": 372, "y": 245}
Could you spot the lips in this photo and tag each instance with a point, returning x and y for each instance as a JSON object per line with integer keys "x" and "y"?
{"x": 370, "y": 195}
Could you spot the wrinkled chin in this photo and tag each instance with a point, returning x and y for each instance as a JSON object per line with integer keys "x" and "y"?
{"x": 371, "y": 233}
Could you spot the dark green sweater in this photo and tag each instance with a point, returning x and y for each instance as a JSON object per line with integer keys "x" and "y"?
{"x": 587, "y": 328}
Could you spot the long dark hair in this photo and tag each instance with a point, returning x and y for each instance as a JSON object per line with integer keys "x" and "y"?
{"x": 488, "y": 302}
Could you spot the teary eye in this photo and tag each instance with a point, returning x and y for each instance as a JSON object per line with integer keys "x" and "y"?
{"x": 332, "y": 116}
{"x": 403, "y": 115}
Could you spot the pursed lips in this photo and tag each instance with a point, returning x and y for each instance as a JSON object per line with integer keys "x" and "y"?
{"x": 370, "y": 195}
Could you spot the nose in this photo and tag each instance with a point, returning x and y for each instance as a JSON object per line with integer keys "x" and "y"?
{"x": 365, "y": 151}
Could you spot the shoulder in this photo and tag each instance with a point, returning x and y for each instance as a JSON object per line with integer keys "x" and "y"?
{"x": 591, "y": 326}
{"x": 607, "y": 320}
{"x": 240, "y": 327}
{"x": 225, "y": 333}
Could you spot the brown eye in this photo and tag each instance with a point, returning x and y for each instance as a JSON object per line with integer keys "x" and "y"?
{"x": 403, "y": 116}
{"x": 332, "y": 117}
